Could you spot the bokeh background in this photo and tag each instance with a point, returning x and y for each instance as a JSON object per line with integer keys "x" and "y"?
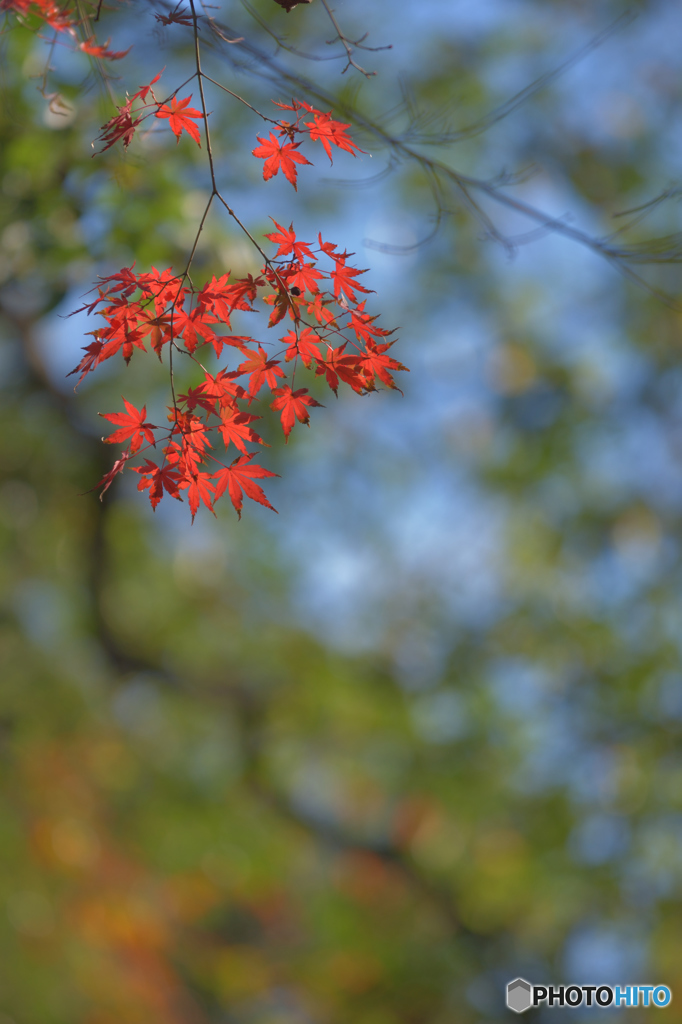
{"x": 367, "y": 760}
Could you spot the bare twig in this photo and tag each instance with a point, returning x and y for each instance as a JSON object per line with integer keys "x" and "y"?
{"x": 350, "y": 44}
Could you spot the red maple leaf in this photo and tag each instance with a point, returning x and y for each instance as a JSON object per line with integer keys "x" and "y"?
{"x": 328, "y": 247}
{"x": 120, "y": 126}
{"x": 279, "y": 156}
{"x": 196, "y": 397}
{"x": 195, "y": 328}
{"x": 292, "y": 406}
{"x": 122, "y": 332}
{"x": 305, "y": 346}
{"x": 261, "y": 369}
{"x": 193, "y": 430}
{"x": 93, "y": 354}
{"x": 282, "y": 303}
{"x": 216, "y": 297}
{"x": 326, "y": 131}
{"x": 165, "y": 287}
{"x": 243, "y": 292}
{"x": 144, "y": 90}
{"x": 158, "y": 328}
{"x": 108, "y": 478}
{"x": 199, "y": 488}
{"x": 296, "y": 105}
{"x": 286, "y": 240}
{"x": 179, "y": 118}
{"x": 375, "y": 362}
{"x": 304, "y": 278}
{"x": 124, "y": 281}
{"x": 91, "y": 47}
{"x": 337, "y": 366}
{"x": 158, "y": 479}
{"x": 363, "y": 324}
{"x": 235, "y": 428}
{"x": 239, "y": 477}
{"x": 132, "y": 425}
{"x": 223, "y": 388}
{"x": 184, "y": 459}
{"x": 343, "y": 279}
{"x": 318, "y": 309}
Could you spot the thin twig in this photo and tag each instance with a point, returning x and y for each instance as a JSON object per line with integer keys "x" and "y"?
{"x": 348, "y": 44}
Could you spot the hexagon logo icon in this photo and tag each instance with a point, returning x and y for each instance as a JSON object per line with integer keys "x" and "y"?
{"x": 519, "y": 995}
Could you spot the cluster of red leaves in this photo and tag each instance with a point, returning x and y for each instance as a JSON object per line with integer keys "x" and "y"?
{"x": 284, "y": 155}
{"x": 329, "y": 334}
{"x": 57, "y": 16}
{"x": 123, "y": 125}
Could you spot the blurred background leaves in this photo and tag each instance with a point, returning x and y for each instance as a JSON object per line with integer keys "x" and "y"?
{"x": 372, "y": 758}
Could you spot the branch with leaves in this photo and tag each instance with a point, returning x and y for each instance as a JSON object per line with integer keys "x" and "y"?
{"x": 312, "y": 288}
{"x": 315, "y": 288}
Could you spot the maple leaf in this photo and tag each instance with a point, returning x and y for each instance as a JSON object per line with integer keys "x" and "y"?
{"x": 193, "y": 430}
{"x": 292, "y": 406}
{"x": 279, "y": 156}
{"x": 244, "y": 291}
{"x": 89, "y": 307}
{"x": 337, "y": 366}
{"x": 132, "y": 425}
{"x": 286, "y": 240}
{"x": 239, "y": 477}
{"x": 158, "y": 328}
{"x": 375, "y": 362}
{"x": 185, "y": 460}
{"x": 179, "y": 118}
{"x": 158, "y": 479}
{"x": 178, "y": 16}
{"x": 120, "y": 126}
{"x": 296, "y": 105}
{"x": 331, "y": 133}
{"x": 122, "y": 332}
{"x": 281, "y": 303}
{"x": 194, "y": 327}
{"x": 223, "y": 388}
{"x": 304, "y": 278}
{"x": 199, "y": 488}
{"x": 305, "y": 346}
{"x": 233, "y": 340}
{"x": 261, "y": 369}
{"x": 93, "y": 49}
{"x": 318, "y": 309}
{"x": 363, "y": 324}
{"x": 195, "y": 397}
{"x": 89, "y": 361}
{"x": 216, "y": 297}
{"x": 165, "y": 287}
{"x": 328, "y": 247}
{"x": 124, "y": 281}
{"x": 235, "y": 428}
{"x": 144, "y": 90}
{"x": 108, "y": 478}
{"x": 343, "y": 279}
